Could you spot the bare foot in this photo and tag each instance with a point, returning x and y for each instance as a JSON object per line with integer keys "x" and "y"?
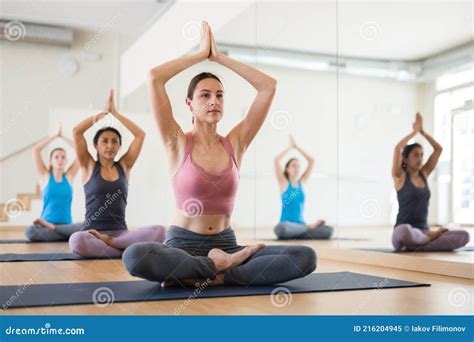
{"x": 219, "y": 280}
{"x": 436, "y": 234}
{"x": 107, "y": 239}
{"x": 225, "y": 261}
{"x": 317, "y": 224}
{"x": 44, "y": 223}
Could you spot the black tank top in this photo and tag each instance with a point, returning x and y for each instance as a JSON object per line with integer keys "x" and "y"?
{"x": 106, "y": 201}
{"x": 413, "y": 203}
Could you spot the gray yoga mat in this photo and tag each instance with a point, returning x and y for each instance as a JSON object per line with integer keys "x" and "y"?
{"x": 14, "y": 257}
{"x": 391, "y": 250}
{"x": 137, "y": 291}
{"x": 331, "y": 239}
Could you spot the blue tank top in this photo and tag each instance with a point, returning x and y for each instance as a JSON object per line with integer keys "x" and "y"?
{"x": 106, "y": 201}
{"x": 57, "y": 199}
{"x": 292, "y": 204}
{"x": 413, "y": 203}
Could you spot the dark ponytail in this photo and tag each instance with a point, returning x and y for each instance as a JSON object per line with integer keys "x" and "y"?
{"x": 286, "y": 168}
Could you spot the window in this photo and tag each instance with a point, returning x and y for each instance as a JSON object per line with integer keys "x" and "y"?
{"x": 454, "y": 129}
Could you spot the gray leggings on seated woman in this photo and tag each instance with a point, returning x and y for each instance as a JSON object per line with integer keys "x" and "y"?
{"x": 61, "y": 232}
{"x": 291, "y": 230}
{"x": 184, "y": 256}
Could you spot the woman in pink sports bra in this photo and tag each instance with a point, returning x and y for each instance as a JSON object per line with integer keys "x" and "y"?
{"x": 204, "y": 166}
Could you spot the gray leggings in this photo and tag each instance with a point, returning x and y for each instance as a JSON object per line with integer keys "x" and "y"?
{"x": 290, "y": 230}
{"x": 61, "y": 232}
{"x": 184, "y": 256}
{"x": 409, "y": 238}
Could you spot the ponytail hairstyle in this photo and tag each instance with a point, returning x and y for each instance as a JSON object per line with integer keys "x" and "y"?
{"x": 51, "y": 156}
{"x": 406, "y": 152}
{"x": 99, "y": 133}
{"x": 195, "y": 80}
{"x": 286, "y": 168}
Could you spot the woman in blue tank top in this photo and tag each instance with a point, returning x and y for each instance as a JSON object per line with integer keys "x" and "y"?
{"x": 55, "y": 223}
{"x": 105, "y": 231}
{"x": 410, "y": 175}
{"x": 292, "y": 225}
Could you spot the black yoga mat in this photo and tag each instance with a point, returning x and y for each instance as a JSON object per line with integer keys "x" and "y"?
{"x": 14, "y": 257}
{"x": 26, "y": 241}
{"x": 391, "y": 250}
{"x": 137, "y": 291}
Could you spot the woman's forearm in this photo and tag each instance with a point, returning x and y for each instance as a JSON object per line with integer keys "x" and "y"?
{"x": 280, "y": 155}
{"x": 131, "y": 126}
{"x": 259, "y": 80}
{"x": 404, "y": 141}
{"x": 85, "y": 124}
{"x": 432, "y": 141}
{"x": 306, "y": 155}
{"x": 164, "y": 72}
{"x": 43, "y": 143}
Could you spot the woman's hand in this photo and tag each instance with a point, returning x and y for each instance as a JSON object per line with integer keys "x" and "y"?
{"x": 292, "y": 142}
{"x": 110, "y": 106}
{"x": 205, "y": 44}
{"x": 59, "y": 132}
{"x": 215, "y": 53}
{"x": 418, "y": 124}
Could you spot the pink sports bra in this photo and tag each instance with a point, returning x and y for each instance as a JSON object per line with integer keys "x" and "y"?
{"x": 199, "y": 192}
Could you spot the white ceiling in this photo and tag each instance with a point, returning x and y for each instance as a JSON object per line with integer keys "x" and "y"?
{"x": 126, "y": 16}
{"x": 406, "y": 30}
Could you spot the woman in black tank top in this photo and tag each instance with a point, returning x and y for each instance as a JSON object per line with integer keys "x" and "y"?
{"x": 410, "y": 175}
{"x": 105, "y": 181}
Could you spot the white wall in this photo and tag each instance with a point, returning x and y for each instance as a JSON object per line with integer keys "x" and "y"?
{"x": 32, "y": 86}
{"x": 373, "y": 116}
{"x": 352, "y": 163}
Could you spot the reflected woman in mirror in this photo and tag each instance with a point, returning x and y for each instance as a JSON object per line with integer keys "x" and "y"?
{"x": 292, "y": 225}
{"x": 412, "y": 232}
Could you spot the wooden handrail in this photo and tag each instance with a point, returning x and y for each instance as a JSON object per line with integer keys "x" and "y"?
{"x": 8, "y": 156}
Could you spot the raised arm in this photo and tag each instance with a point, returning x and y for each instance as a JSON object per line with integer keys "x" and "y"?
{"x": 170, "y": 130}
{"x": 244, "y": 132}
{"x": 437, "y": 150}
{"x": 397, "y": 169}
{"x": 40, "y": 166}
{"x": 74, "y": 167}
{"x": 278, "y": 169}
{"x": 80, "y": 145}
{"x": 307, "y": 173}
{"x": 129, "y": 158}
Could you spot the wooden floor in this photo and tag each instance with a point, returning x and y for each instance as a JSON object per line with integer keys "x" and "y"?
{"x": 448, "y": 295}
